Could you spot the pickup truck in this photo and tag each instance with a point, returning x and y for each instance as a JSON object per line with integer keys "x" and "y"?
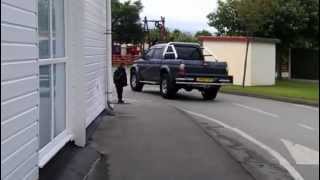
{"x": 177, "y": 65}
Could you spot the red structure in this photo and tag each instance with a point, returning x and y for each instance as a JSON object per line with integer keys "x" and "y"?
{"x": 127, "y": 59}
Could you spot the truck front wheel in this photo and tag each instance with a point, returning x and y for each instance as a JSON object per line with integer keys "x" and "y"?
{"x": 167, "y": 89}
{"x": 210, "y": 93}
{"x": 135, "y": 83}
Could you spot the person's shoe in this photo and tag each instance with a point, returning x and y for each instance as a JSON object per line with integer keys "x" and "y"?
{"x": 121, "y": 102}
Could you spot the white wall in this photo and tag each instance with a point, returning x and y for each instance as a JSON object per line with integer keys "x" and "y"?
{"x": 95, "y": 57}
{"x": 234, "y": 54}
{"x": 19, "y": 90}
{"x": 263, "y": 63}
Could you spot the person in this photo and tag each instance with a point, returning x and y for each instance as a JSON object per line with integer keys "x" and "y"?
{"x": 120, "y": 81}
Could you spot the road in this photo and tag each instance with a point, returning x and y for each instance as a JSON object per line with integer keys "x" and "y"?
{"x": 288, "y": 132}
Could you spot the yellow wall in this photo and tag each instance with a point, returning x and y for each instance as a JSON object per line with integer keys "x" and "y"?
{"x": 263, "y": 64}
{"x": 234, "y": 54}
{"x": 260, "y": 64}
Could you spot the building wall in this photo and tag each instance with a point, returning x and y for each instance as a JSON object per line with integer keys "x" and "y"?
{"x": 95, "y": 57}
{"x": 263, "y": 64}
{"x": 234, "y": 54}
{"x": 19, "y": 90}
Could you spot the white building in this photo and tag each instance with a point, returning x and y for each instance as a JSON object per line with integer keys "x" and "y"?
{"x": 261, "y": 57}
{"x": 55, "y": 78}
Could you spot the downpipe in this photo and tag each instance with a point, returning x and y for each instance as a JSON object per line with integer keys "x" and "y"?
{"x": 109, "y": 91}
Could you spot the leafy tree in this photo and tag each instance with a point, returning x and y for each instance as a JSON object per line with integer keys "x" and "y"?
{"x": 126, "y": 23}
{"x": 294, "y": 22}
{"x": 177, "y": 35}
{"x": 174, "y": 36}
{"x": 203, "y": 33}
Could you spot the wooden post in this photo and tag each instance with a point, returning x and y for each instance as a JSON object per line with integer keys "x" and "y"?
{"x": 245, "y": 64}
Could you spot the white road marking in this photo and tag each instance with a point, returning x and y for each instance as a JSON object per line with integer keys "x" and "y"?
{"x": 282, "y": 161}
{"x": 306, "y": 127}
{"x": 306, "y": 107}
{"x": 302, "y": 154}
{"x": 256, "y": 110}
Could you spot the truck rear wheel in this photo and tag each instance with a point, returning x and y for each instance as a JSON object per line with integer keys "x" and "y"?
{"x": 135, "y": 83}
{"x": 210, "y": 94}
{"x": 167, "y": 89}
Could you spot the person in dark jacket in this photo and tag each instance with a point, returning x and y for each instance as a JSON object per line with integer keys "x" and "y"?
{"x": 120, "y": 81}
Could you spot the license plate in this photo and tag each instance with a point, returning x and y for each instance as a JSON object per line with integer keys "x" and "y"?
{"x": 205, "y": 79}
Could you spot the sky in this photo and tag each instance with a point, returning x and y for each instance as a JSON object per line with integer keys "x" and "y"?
{"x": 186, "y": 15}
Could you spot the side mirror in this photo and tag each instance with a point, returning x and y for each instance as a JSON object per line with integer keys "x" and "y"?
{"x": 169, "y": 56}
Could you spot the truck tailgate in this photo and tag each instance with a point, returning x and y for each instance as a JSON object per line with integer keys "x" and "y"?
{"x": 198, "y": 68}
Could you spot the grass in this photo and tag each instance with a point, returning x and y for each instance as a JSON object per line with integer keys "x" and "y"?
{"x": 288, "y": 90}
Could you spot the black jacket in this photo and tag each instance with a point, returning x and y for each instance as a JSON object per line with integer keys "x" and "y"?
{"x": 120, "y": 77}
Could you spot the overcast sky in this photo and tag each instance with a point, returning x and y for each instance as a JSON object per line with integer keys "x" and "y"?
{"x": 186, "y": 15}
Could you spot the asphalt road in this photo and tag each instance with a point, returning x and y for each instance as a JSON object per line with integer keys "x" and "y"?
{"x": 288, "y": 132}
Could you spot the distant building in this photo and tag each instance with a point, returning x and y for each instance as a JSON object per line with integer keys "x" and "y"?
{"x": 55, "y": 78}
{"x": 261, "y": 59}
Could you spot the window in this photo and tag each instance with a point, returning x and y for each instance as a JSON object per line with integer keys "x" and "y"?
{"x": 189, "y": 53}
{"x": 52, "y": 121}
{"x": 158, "y": 53}
{"x": 169, "y": 50}
{"x": 51, "y": 29}
{"x": 149, "y": 54}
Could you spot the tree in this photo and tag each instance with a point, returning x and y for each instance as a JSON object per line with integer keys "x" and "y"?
{"x": 177, "y": 35}
{"x": 294, "y": 22}
{"x": 126, "y": 23}
{"x": 203, "y": 33}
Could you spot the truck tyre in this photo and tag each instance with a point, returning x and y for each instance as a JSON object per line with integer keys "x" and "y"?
{"x": 167, "y": 89}
{"x": 210, "y": 94}
{"x": 135, "y": 84}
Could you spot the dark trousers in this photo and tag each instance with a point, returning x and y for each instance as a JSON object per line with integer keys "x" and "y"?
{"x": 119, "y": 92}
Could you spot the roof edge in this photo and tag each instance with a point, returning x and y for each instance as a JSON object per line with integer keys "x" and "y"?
{"x": 238, "y": 39}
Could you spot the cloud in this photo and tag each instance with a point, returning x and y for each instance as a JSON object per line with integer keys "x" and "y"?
{"x": 187, "y": 15}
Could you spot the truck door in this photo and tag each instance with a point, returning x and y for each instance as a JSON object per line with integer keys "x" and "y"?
{"x": 145, "y": 65}
{"x": 155, "y": 64}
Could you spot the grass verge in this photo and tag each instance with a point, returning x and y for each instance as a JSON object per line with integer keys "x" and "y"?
{"x": 284, "y": 90}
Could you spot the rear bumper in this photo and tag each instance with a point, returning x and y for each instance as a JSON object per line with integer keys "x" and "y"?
{"x": 218, "y": 81}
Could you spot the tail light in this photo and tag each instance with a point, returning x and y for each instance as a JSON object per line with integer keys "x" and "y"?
{"x": 182, "y": 70}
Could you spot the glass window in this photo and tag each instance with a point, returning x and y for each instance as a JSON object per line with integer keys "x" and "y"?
{"x": 45, "y": 125}
{"x": 158, "y": 53}
{"x": 189, "y": 53}
{"x": 52, "y": 120}
{"x": 170, "y": 50}
{"x": 59, "y": 82}
{"x": 44, "y": 29}
{"x": 149, "y": 54}
{"x": 51, "y": 29}
{"x": 58, "y": 29}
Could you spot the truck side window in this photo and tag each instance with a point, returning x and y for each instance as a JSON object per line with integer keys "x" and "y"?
{"x": 158, "y": 53}
{"x": 149, "y": 54}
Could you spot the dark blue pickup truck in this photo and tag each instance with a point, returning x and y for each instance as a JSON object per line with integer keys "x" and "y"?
{"x": 176, "y": 66}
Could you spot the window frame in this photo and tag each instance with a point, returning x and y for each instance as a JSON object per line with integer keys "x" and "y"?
{"x": 56, "y": 143}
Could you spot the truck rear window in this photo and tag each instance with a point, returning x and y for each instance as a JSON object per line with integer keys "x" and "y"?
{"x": 189, "y": 53}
